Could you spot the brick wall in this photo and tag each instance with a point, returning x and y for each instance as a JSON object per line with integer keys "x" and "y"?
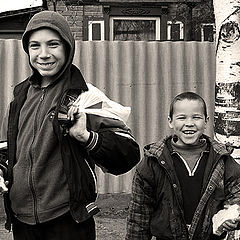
{"x": 77, "y": 16}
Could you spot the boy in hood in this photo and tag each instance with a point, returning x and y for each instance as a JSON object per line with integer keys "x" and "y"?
{"x": 184, "y": 180}
{"x": 50, "y": 171}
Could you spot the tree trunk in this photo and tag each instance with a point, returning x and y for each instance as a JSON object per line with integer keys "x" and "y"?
{"x": 227, "y": 92}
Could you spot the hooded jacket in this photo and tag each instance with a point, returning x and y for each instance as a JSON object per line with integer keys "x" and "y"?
{"x": 50, "y": 172}
{"x": 156, "y": 206}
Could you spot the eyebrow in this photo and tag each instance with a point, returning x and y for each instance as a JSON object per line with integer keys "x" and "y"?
{"x": 51, "y": 40}
{"x": 183, "y": 114}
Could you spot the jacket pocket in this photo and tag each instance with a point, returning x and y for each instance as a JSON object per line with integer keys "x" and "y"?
{"x": 160, "y": 222}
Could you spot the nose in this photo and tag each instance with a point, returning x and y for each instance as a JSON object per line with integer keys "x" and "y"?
{"x": 44, "y": 53}
{"x": 189, "y": 122}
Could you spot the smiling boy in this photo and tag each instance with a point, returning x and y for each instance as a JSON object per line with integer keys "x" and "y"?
{"x": 183, "y": 180}
{"x": 50, "y": 172}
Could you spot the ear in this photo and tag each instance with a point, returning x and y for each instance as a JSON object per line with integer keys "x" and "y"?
{"x": 170, "y": 122}
{"x": 206, "y": 121}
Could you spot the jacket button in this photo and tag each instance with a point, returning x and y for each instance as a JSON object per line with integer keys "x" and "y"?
{"x": 175, "y": 185}
{"x": 210, "y": 187}
{"x": 163, "y": 162}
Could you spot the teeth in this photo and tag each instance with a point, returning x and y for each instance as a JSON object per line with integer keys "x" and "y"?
{"x": 46, "y": 64}
{"x": 189, "y": 132}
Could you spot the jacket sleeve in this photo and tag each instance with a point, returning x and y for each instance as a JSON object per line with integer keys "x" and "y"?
{"x": 141, "y": 205}
{"x": 113, "y": 150}
{"x": 232, "y": 182}
{"x": 111, "y": 145}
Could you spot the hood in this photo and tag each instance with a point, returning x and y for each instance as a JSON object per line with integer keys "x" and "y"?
{"x": 54, "y": 21}
{"x": 155, "y": 149}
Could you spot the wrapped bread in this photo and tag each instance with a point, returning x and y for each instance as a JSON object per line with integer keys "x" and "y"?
{"x": 97, "y": 103}
{"x": 230, "y": 213}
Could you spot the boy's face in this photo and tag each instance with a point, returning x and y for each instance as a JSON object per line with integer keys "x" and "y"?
{"x": 188, "y": 121}
{"x": 47, "y": 52}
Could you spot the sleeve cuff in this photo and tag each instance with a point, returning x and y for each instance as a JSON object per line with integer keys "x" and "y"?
{"x": 92, "y": 141}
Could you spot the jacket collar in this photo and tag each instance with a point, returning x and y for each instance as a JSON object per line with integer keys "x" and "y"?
{"x": 156, "y": 149}
{"x": 72, "y": 76}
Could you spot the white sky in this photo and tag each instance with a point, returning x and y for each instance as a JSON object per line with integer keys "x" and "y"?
{"x": 10, "y": 5}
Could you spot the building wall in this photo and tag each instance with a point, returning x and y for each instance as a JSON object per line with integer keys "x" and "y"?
{"x": 81, "y": 18}
{"x": 77, "y": 16}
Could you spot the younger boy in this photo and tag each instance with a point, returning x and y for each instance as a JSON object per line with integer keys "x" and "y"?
{"x": 183, "y": 180}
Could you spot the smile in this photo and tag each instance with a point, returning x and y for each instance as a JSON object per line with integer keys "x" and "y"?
{"x": 189, "y": 132}
{"x": 46, "y": 64}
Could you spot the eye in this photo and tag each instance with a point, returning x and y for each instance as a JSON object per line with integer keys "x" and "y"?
{"x": 34, "y": 46}
{"x": 197, "y": 117}
{"x": 54, "y": 44}
{"x": 181, "y": 118}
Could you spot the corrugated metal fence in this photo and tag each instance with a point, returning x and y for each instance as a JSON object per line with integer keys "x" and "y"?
{"x": 143, "y": 75}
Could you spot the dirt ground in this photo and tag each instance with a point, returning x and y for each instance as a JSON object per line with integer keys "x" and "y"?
{"x": 110, "y": 222}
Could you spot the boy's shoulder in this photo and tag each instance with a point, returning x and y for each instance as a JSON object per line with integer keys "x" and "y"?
{"x": 20, "y": 86}
{"x": 155, "y": 149}
{"x": 152, "y": 154}
{"x": 219, "y": 148}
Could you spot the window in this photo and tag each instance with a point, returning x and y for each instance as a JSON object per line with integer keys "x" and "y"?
{"x": 208, "y": 32}
{"x": 96, "y": 31}
{"x": 175, "y": 30}
{"x": 134, "y": 28}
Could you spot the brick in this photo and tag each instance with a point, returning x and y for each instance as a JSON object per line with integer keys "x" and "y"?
{"x": 74, "y": 18}
{"x": 61, "y": 8}
{"x": 75, "y": 24}
{"x": 76, "y": 29}
{"x": 77, "y": 36}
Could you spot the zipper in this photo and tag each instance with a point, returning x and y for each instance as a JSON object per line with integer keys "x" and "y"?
{"x": 33, "y": 193}
{"x": 35, "y": 125}
{"x": 93, "y": 175}
{"x": 178, "y": 203}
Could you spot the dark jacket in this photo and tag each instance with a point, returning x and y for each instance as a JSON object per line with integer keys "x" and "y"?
{"x": 156, "y": 207}
{"x": 59, "y": 169}
{"x": 115, "y": 153}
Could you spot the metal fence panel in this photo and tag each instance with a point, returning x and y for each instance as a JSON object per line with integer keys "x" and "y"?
{"x": 143, "y": 75}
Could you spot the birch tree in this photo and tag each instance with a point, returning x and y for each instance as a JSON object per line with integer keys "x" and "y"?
{"x": 227, "y": 94}
{"x": 227, "y": 107}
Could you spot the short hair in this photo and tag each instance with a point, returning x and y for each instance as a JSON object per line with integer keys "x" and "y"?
{"x": 188, "y": 96}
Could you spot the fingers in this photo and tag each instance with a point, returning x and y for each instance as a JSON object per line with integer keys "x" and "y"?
{"x": 229, "y": 225}
{"x": 73, "y": 110}
{"x": 237, "y": 219}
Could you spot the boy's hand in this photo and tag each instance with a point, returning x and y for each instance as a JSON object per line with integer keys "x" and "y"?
{"x": 79, "y": 128}
{"x": 230, "y": 225}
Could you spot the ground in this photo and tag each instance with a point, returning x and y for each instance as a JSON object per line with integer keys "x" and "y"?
{"x": 110, "y": 222}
